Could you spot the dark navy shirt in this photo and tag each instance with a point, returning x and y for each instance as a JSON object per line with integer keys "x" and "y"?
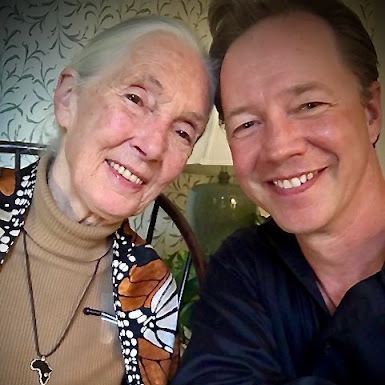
{"x": 261, "y": 319}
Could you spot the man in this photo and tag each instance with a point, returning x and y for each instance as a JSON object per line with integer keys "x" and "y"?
{"x": 300, "y": 299}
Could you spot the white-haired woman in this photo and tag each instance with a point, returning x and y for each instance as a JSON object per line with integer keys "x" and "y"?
{"x": 130, "y": 107}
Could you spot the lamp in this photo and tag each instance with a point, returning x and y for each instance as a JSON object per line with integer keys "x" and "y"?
{"x": 215, "y": 210}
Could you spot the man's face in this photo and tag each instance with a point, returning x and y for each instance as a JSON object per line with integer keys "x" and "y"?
{"x": 131, "y": 131}
{"x": 300, "y": 137}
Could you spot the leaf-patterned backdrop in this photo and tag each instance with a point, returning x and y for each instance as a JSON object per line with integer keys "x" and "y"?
{"x": 37, "y": 38}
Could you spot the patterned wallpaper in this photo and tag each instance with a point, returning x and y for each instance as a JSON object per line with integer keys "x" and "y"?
{"x": 37, "y": 38}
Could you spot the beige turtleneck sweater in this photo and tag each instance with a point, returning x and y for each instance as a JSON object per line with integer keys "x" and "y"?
{"x": 63, "y": 256}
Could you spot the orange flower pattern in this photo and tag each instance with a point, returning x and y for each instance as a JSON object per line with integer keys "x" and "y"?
{"x": 146, "y": 305}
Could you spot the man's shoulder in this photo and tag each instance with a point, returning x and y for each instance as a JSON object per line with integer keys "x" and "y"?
{"x": 267, "y": 234}
{"x": 255, "y": 246}
{"x": 255, "y": 258}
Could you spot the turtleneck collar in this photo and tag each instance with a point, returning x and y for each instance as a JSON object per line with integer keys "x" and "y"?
{"x": 55, "y": 232}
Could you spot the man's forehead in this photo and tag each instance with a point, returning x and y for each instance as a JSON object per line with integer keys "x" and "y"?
{"x": 297, "y": 37}
{"x": 280, "y": 27}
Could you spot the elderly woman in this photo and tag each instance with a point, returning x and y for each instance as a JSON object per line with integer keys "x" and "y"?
{"x": 130, "y": 106}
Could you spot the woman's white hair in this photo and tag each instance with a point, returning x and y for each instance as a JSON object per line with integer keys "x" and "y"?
{"x": 115, "y": 43}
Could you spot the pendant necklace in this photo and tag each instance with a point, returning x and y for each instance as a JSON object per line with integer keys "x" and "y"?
{"x": 40, "y": 363}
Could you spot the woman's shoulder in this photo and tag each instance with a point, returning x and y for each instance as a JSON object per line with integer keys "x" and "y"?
{"x": 11, "y": 179}
{"x": 7, "y": 181}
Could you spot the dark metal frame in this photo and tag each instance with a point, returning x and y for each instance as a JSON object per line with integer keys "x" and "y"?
{"x": 19, "y": 149}
{"x": 195, "y": 255}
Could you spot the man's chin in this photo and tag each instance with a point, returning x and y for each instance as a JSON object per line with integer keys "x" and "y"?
{"x": 297, "y": 224}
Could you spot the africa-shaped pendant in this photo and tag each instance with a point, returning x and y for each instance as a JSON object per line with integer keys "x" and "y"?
{"x": 43, "y": 369}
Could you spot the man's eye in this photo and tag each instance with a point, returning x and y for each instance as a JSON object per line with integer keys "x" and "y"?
{"x": 242, "y": 130}
{"x": 135, "y": 99}
{"x": 246, "y": 125}
{"x": 310, "y": 105}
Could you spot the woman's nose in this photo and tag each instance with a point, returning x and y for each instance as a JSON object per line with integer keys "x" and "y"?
{"x": 151, "y": 139}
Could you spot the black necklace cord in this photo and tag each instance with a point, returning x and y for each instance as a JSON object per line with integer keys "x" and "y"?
{"x": 32, "y": 300}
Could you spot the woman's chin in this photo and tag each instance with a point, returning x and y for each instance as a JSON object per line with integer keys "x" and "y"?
{"x": 117, "y": 210}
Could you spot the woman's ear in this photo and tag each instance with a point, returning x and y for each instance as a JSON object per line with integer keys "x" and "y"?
{"x": 373, "y": 112}
{"x": 65, "y": 98}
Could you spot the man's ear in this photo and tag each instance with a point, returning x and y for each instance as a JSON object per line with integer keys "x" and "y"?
{"x": 373, "y": 112}
{"x": 65, "y": 98}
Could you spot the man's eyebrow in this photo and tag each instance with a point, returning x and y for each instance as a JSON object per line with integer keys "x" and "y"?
{"x": 299, "y": 89}
{"x": 295, "y": 90}
{"x": 237, "y": 111}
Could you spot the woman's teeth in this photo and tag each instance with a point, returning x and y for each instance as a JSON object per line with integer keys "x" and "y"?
{"x": 294, "y": 182}
{"x": 125, "y": 173}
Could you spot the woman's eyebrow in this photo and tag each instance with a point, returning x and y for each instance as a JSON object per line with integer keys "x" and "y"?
{"x": 158, "y": 85}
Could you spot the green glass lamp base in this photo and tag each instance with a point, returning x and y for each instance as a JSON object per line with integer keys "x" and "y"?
{"x": 215, "y": 210}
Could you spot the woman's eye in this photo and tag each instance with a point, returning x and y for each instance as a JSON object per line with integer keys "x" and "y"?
{"x": 184, "y": 135}
{"x": 135, "y": 99}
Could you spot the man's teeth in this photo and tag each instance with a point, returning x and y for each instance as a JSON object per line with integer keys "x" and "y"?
{"x": 294, "y": 182}
{"x": 125, "y": 173}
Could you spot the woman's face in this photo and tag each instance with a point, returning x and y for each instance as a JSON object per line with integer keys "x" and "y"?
{"x": 129, "y": 133}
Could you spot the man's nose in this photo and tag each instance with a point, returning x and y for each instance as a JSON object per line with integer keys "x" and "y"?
{"x": 284, "y": 138}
